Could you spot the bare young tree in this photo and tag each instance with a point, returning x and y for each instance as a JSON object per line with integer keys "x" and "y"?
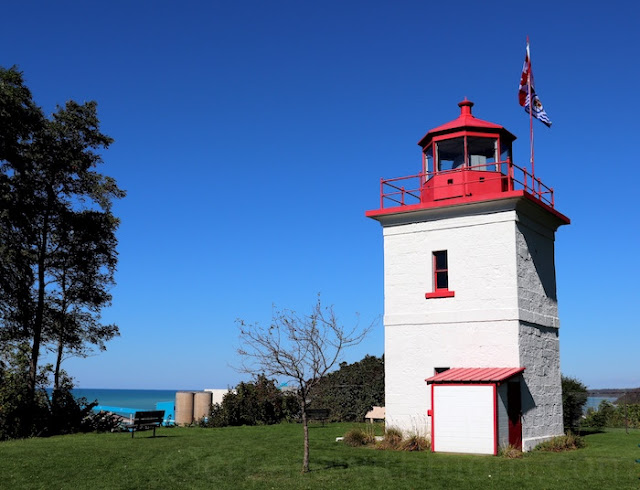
{"x": 301, "y": 348}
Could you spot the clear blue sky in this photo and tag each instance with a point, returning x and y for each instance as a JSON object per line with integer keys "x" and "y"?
{"x": 251, "y": 137}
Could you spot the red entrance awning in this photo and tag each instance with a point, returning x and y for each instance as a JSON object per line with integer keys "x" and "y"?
{"x": 475, "y": 375}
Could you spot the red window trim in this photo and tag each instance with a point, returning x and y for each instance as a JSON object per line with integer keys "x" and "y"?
{"x": 439, "y": 292}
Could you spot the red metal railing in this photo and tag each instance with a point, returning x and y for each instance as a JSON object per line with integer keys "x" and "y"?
{"x": 404, "y": 191}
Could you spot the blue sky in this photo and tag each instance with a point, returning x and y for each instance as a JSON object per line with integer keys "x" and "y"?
{"x": 251, "y": 137}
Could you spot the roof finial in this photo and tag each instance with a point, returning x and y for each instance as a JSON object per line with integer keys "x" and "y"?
{"x": 465, "y": 107}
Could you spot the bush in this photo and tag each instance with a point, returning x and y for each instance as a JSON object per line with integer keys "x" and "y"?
{"x": 68, "y": 414}
{"x": 358, "y": 437}
{"x": 616, "y": 416}
{"x": 558, "y": 444}
{"x": 351, "y": 391}
{"x": 415, "y": 442}
{"x": 392, "y": 439}
{"x": 574, "y": 398}
{"x": 101, "y": 422}
{"x": 19, "y": 418}
{"x": 24, "y": 414}
{"x": 510, "y": 452}
{"x": 254, "y": 403}
{"x": 599, "y": 418}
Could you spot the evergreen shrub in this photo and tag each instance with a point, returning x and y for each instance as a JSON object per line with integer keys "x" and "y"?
{"x": 253, "y": 403}
{"x": 574, "y": 398}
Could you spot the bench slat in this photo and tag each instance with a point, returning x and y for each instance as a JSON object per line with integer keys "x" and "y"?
{"x": 146, "y": 420}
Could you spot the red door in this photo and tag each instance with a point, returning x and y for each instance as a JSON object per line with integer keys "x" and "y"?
{"x": 514, "y": 409}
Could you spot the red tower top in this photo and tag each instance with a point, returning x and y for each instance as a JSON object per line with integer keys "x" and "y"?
{"x": 463, "y": 161}
{"x": 468, "y": 125}
{"x": 466, "y": 122}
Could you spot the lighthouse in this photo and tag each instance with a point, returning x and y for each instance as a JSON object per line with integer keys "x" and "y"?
{"x": 470, "y": 305}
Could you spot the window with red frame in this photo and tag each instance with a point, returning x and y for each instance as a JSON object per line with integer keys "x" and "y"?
{"x": 440, "y": 276}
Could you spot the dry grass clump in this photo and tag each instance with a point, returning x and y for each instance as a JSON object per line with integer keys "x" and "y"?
{"x": 558, "y": 444}
{"x": 392, "y": 439}
{"x": 510, "y": 452}
{"x": 358, "y": 437}
{"x": 415, "y": 442}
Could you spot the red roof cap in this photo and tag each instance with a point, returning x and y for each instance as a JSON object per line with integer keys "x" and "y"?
{"x": 465, "y": 120}
{"x": 475, "y": 375}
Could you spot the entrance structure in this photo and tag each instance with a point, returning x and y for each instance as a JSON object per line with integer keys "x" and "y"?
{"x": 470, "y": 294}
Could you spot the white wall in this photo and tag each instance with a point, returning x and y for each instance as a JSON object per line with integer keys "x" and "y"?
{"x": 482, "y": 270}
{"x": 218, "y": 394}
{"x": 464, "y": 419}
{"x": 503, "y": 314}
{"x": 476, "y": 328}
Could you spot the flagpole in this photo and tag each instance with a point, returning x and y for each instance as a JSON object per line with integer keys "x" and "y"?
{"x": 531, "y": 157}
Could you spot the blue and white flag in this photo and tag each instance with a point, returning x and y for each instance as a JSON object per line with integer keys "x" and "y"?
{"x": 527, "y": 92}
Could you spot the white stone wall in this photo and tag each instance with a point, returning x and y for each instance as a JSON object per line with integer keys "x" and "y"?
{"x": 478, "y": 327}
{"x": 537, "y": 301}
{"x": 542, "y": 388}
{"x": 482, "y": 270}
{"x": 503, "y": 314}
{"x": 412, "y": 352}
{"x": 539, "y": 343}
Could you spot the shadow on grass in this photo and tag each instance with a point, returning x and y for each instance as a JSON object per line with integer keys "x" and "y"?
{"x": 333, "y": 465}
{"x": 587, "y": 431}
{"x": 150, "y": 437}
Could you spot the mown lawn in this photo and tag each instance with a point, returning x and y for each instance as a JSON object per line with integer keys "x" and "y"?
{"x": 271, "y": 457}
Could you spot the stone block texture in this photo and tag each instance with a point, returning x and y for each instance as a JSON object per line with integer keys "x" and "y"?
{"x": 504, "y": 312}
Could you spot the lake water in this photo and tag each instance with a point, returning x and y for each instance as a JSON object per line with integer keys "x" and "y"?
{"x": 147, "y": 399}
{"x": 594, "y": 401}
{"x": 138, "y": 399}
{"x": 127, "y": 402}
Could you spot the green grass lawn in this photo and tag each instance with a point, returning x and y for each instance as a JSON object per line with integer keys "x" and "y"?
{"x": 271, "y": 457}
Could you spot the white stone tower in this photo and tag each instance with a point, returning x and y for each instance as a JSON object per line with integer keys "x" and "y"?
{"x": 470, "y": 294}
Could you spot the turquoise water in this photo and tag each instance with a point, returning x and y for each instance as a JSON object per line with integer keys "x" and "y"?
{"x": 136, "y": 399}
{"x": 127, "y": 402}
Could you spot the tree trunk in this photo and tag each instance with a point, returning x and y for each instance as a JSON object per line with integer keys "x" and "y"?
{"x": 39, "y": 317}
{"x": 61, "y": 334}
{"x": 56, "y": 373}
{"x": 305, "y": 429}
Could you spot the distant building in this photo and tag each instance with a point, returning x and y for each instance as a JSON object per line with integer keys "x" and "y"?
{"x": 217, "y": 394}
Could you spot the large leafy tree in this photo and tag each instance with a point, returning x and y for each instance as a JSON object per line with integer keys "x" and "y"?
{"x": 351, "y": 391}
{"x": 83, "y": 266}
{"x": 57, "y": 229}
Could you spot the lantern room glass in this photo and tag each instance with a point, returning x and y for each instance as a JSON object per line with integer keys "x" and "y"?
{"x": 482, "y": 153}
{"x": 427, "y": 160}
{"x": 450, "y": 154}
{"x": 473, "y": 152}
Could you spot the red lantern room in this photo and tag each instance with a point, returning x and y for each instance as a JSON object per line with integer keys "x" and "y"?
{"x": 465, "y": 160}
{"x": 465, "y": 157}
